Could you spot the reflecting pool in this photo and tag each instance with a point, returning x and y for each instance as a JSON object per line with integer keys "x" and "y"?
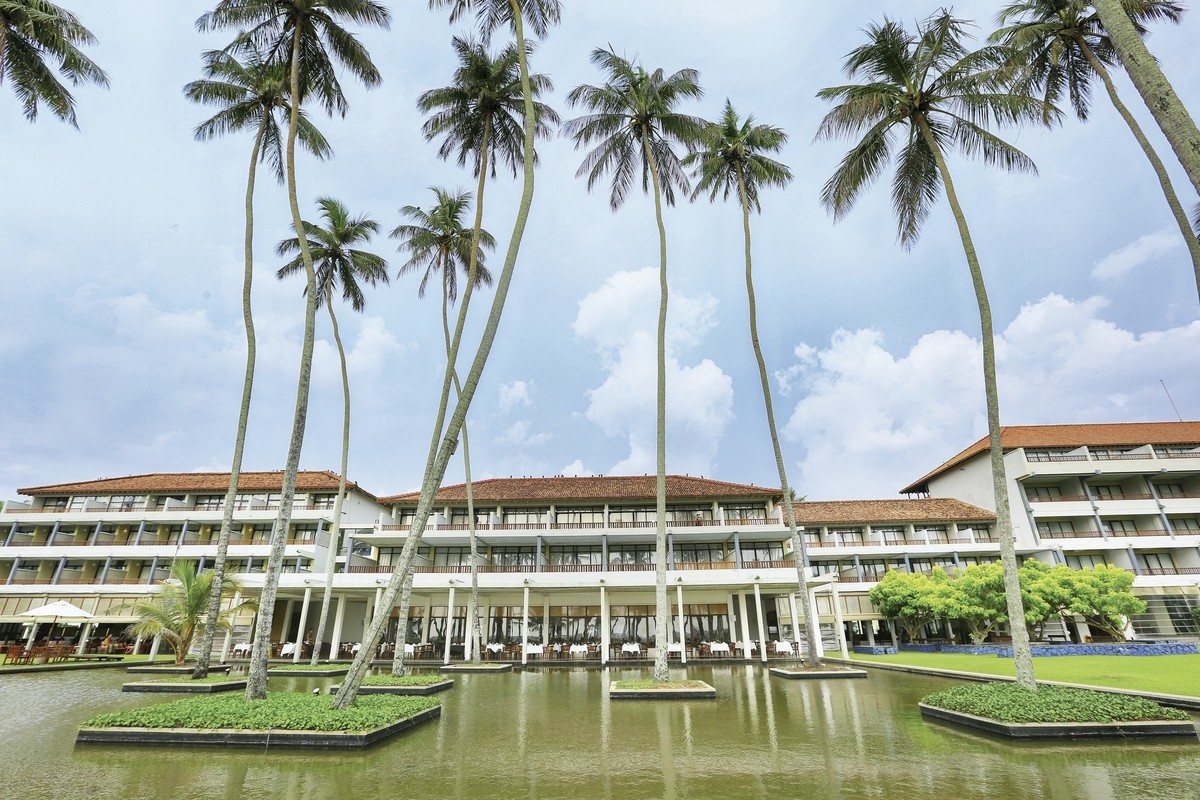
{"x": 552, "y": 733}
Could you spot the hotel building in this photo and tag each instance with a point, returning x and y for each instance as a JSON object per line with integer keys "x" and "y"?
{"x": 569, "y": 561}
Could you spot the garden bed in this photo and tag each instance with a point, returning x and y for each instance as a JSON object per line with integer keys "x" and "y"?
{"x": 425, "y": 684}
{"x": 210, "y": 685}
{"x": 283, "y": 719}
{"x": 308, "y": 670}
{"x": 647, "y": 689}
{"x": 1054, "y": 712}
{"x": 504, "y": 667}
{"x": 183, "y": 669}
{"x": 819, "y": 673}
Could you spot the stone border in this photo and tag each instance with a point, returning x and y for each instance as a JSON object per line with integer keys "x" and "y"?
{"x": 227, "y": 737}
{"x": 60, "y": 667}
{"x": 190, "y": 687}
{"x": 477, "y": 668}
{"x": 307, "y": 673}
{"x": 174, "y": 670}
{"x": 432, "y": 688}
{"x": 706, "y": 692}
{"x": 817, "y": 675}
{"x": 1062, "y": 731}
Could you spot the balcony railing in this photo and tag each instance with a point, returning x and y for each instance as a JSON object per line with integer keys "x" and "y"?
{"x": 1171, "y": 571}
{"x": 1069, "y": 535}
{"x": 1138, "y": 532}
{"x": 1062, "y": 498}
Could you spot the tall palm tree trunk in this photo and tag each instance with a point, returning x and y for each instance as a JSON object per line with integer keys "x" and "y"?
{"x": 662, "y": 611}
{"x": 1160, "y": 97}
{"x": 256, "y": 679}
{"x": 335, "y": 525}
{"x": 436, "y": 469}
{"x": 812, "y": 625}
{"x": 1008, "y": 551}
{"x": 401, "y": 625}
{"x": 239, "y": 442}
{"x": 1181, "y": 217}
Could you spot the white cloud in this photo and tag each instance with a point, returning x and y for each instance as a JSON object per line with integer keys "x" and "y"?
{"x": 620, "y": 319}
{"x": 518, "y": 435}
{"x": 871, "y": 421}
{"x": 576, "y": 469}
{"x": 373, "y": 347}
{"x": 515, "y": 394}
{"x": 1138, "y": 252}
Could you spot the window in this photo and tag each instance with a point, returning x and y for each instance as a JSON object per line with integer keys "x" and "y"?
{"x": 891, "y": 535}
{"x": 762, "y": 551}
{"x": 744, "y": 511}
{"x": 528, "y": 517}
{"x": 209, "y": 502}
{"x": 1108, "y": 492}
{"x": 452, "y": 556}
{"x": 459, "y": 516}
{"x": 847, "y": 536}
{"x": 512, "y": 557}
{"x": 1118, "y": 527}
{"x": 923, "y": 566}
{"x": 1186, "y": 525}
{"x": 262, "y": 532}
{"x": 699, "y": 553}
{"x": 1085, "y": 560}
{"x": 1035, "y": 493}
{"x": 631, "y": 554}
{"x": 873, "y": 568}
{"x": 304, "y": 533}
{"x": 631, "y": 517}
{"x": 1111, "y": 453}
{"x": 689, "y": 515}
{"x": 1177, "y": 450}
{"x": 323, "y": 501}
{"x": 55, "y": 503}
{"x": 1056, "y": 528}
{"x": 1156, "y": 562}
{"x": 77, "y": 503}
{"x": 1169, "y": 489}
{"x": 578, "y": 556}
{"x": 579, "y": 517}
{"x": 937, "y": 533}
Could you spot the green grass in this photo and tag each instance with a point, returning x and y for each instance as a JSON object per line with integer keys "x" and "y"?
{"x": 214, "y": 678}
{"x": 404, "y": 680}
{"x": 307, "y": 667}
{"x": 1007, "y": 702}
{"x": 280, "y": 711}
{"x": 648, "y": 683}
{"x": 1161, "y": 674}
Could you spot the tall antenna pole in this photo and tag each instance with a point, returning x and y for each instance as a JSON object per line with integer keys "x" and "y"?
{"x": 1164, "y": 385}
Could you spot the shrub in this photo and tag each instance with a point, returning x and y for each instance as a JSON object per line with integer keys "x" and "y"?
{"x": 1007, "y": 702}
{"x": 428, "y": 679}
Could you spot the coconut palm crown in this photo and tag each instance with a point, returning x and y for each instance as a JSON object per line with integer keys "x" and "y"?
{"x": 438, "y": 241}
{"x": 33, "y": 32}
{"x": 539, "y": 15}
{"x": 337, "y": 261}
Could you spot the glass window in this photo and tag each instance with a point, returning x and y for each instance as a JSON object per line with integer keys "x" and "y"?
{"x": 697, "y": 553}
{"x": 631, "y": 554}
{"x": 1085, "y": 560}
{"x": 1043, "y": 492}
{"x": 762, "y": 551}
{"x": 744, "y": 511}
{"x": 324, "y": 501}
{"x": 689, "y": 515}
{"x": 1186, "y": 525}
{"x": 631, "y": 516}
{"x": 512, "y": 556}
{"x": 580, "y": 556}
{"x": 847, "y": 536}
{"x": 1107, "y": 492}
{"x": 1156, "y": 561}
{"x": 209, "y": 502}
{"x": 531, "y": 517}
{"x": 1169, "y": 489}
{"x": 579, "y": 517}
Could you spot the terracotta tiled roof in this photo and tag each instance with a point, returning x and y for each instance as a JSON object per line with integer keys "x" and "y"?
{"x": 594, "y": 489}
{"x": 194, "y": 482}
{"x": 1117, "y": 434}
{"x": 862, "y": 512}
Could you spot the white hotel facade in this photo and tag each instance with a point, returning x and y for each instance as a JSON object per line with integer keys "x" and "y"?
{"x": 570, "y": 560}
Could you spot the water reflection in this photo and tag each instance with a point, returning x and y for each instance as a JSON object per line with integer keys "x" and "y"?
{"x": 554, "y": 734}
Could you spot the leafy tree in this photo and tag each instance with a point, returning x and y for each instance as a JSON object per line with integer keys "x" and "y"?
{"x": 1100, "y": 594}
{"x": 251, "y": 95}
{"x": 439, "y": 242}
{"x": 337, "y": 262}
{"x": 1061, "y": 46}
{"x": 304, "y": 34}
{"x": 1156, "y": 91}
{"x": 633, "y": 120}
{"x": 976, "y": 597}
{"x": 479, "y": 116}
{"x": 928, "y": 90}
{"x": 33, "y": 32}
{"x": 489, "y": 14}
{"x": 912, "y": 599}
{"x": 178, "y": 612}
{"x": 731, "y": 159}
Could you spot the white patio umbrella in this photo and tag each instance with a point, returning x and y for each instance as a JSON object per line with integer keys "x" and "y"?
{"x": 59, "y": 609}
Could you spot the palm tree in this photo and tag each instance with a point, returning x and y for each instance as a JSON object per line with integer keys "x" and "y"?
{"x": 490, "y": 14}
{"x": 251, "y": 96}
{"x": 634, "y": 122}
{"x": 304, "y": 34}
{"x": 440, "y": 243}
{"x": 732, "y": 160}
{"x": 479, "y": 116}
{"x": 931, "y": 92}
{"x": 336, "y": 261}
{"x": 178, "y": 612}
{"x": 1156, "y": 91}
{"x": 1062, "y": 46}
{"x": 32, "y": 31}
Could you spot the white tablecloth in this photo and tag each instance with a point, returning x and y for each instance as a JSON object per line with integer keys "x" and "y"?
{"x": 718, "y": 647}
{"x": 495, "y": 648}
{"x": 579, "y": 648}
{"x": 243, "y": 647}
{"x": 784, "y": 647}
{"x": 534, "y": 650}
{"x": 631, "y": 647}
{"x": 409, "y": 649}
{"x": 675, "y": 648}
{"x": 356, "y": 648}
{"x": 288, "y": 649}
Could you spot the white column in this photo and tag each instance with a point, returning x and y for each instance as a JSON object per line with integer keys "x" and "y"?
{"x": 339, "y": 617}
{"x": 425, "y": 617}
{"x": 484, "y": 628}
{"x": 33, "y": 626}
{"x": 154, "y": 647}
{"x": 368, "y": 612}
{"x": 682, "y": 634}
{"x": 300, "y": 632}
{"x": 84, "y": 631}
{"x": 605, "y": 626}
{"x": 469, "y": 635}
{"x": 812, "y": 599}
{"x": 449, "y": 625}
{"x": 287, "y": 618}
{"x": 836, "y": 599}
{"x": 870, "y": 632}
{"x": 524, "y": 626}
{"x": 745, "y": 626}
{"x": 375, "y": 608}
{"x": 545, "y": 624}
{"x": 795, "y": 621}
{"x": 762, "y": 624}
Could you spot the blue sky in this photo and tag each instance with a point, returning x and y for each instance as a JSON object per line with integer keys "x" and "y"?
{"x": 122, "y": 347}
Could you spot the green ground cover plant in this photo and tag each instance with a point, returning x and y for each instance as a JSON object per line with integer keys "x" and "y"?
{"x": 1007, "y": 702}
{"x": 403, "y": 680}
{"x": 1162, "y": 674}
{"x": 214, "y": 678}
{"x": 306, "y": 667}
{"x": 649, "y": 683}
{"x": 279, "y": 711}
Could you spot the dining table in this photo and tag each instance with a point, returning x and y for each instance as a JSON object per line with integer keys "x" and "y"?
{"x": 578, "y": 650}
{"x": 719, "y": 647}
{"x": 631, "y": 648}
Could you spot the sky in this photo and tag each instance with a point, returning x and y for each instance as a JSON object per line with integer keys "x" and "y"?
{"x": 122, "y": 347}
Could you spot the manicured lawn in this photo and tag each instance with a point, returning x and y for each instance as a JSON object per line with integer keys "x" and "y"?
{"x": 306, "y": 667}
{"x": 425, "y": 679}
{"x": 1163, "y": 674}
{"x": 648, "y": 683}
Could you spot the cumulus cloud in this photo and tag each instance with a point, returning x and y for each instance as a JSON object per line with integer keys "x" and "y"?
{"x": 1136, "y": 253}
{"x": 871, "y": 420}
{"x": 620, "y": 320}
{"x": 515, "y": 394}
{"x": 519, "y": 434}
{"x": 576, "y": 469}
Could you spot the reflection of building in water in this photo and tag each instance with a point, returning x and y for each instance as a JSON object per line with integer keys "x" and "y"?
{"x": 566, "y": 564}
